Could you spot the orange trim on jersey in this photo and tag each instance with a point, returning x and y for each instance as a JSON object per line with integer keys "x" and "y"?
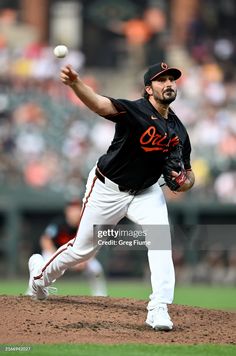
{"x": 149, "y": 149}
{"x": 69, "y": 243}
{"x": 116, "y": 114}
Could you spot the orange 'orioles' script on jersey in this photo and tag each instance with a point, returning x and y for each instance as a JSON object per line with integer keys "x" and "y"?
{"x": 157, "y": 141}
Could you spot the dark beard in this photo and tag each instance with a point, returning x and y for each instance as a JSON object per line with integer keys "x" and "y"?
{"x": 167, "y": 100}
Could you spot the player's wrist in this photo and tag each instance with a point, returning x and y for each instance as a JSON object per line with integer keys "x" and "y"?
{"x": 73, "y": 83}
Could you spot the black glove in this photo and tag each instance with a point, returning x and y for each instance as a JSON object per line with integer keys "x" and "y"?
{"x": 174, "y": 162}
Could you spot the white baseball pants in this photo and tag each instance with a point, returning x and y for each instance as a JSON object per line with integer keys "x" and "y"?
{"x": 105, "y": 204}
{"x": 92, "y": 270}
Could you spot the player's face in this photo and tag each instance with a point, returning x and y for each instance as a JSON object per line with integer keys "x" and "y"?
{"x": 163, "y": 89}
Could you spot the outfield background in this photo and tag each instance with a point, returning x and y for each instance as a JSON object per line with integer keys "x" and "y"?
{"x": 214, "y": 297}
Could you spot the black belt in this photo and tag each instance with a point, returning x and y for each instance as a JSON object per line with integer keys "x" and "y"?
{"x": 101, "y": 177}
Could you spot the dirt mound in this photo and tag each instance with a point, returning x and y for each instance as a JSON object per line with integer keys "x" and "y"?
{"x": 108, "y": 321}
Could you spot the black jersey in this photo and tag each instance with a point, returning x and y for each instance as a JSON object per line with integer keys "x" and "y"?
{"x": 60, "y": 232}
{"x": 141, "y": 144}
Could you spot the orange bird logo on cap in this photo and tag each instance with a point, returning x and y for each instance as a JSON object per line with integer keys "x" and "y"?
{"x": 164, "y": 65}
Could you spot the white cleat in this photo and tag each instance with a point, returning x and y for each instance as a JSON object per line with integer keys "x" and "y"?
{"x": 159, "y": 319}
{"x": 36, "y": 288}
{"x": 29, "y": 292}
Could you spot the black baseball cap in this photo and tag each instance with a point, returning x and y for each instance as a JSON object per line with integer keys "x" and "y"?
{"x": 158, "y": 69}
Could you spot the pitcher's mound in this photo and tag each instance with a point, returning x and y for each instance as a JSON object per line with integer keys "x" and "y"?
{"x": 108, "y": 321}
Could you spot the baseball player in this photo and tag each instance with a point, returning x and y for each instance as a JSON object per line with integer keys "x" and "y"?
{"x": 61, "y": 231}
{"x": 149, "y": 141}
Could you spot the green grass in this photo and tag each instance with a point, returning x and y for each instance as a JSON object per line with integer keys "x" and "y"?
{"x": 214, "y": 297}
{"x": 130, "y": 350}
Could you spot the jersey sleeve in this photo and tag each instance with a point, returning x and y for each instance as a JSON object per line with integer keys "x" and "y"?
{"x": 119, "y": 104}
{"x": 187, "y": 152}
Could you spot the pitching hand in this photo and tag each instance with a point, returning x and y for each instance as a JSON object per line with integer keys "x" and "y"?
{"x": 187, "y": 183}
{"x": 68, "y": 75}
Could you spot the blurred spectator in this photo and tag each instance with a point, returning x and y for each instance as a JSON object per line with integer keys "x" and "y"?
{"x": 225, "y": 187}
